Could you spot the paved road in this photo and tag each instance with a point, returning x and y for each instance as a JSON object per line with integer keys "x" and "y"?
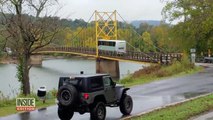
{"x": 145, "y": 97}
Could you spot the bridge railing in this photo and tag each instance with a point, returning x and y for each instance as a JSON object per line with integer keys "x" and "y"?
{"x": 131, "y": 55}
{"x": 82, "y": 50}
{"x": 163, "y": 58}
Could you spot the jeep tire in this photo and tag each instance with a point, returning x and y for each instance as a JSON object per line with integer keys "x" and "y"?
{"x": 126, "y": 105}
{"x": 65, "y": 113}
{"x": 67, "y": 95}
{"x": 98, "y": 111}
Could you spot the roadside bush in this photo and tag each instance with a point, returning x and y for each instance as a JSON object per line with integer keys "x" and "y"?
{"x": 146, "y": 70}
{"x": 126, "y": 80}
{"x": 174, "y": 68}
{"x": 162, "y": 73}
{"x": 186, "y": 62}
{"x": 52, "y": 94}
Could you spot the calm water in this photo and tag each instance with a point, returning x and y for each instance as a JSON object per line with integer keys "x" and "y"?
{"x": 51, "y": 70}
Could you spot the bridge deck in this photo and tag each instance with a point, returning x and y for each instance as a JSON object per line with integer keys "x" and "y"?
{"x": 128, "y": 56}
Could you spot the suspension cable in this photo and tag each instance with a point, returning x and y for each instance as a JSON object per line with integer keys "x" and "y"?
{"x": 138, "y": 50}
{"x": 83, "y": 27}
{"x": 138, "y": 33}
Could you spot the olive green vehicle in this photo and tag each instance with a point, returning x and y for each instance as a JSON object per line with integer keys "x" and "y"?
{"x": 91, "y": 93}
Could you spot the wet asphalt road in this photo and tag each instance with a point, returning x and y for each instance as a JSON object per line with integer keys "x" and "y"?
{"x": 145, "y": 97}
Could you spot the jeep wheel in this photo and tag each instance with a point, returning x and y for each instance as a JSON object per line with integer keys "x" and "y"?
{"x": 67, "y": 95}
{"x": 126, "y": 105}
{"x": 65, "y": 113}
{"x": 98, "y": 112}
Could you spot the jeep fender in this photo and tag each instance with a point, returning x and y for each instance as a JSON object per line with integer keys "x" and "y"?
{"x": 122, "y": 93}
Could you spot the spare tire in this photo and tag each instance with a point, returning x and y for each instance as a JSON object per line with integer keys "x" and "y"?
{"x": 67, "y": 95}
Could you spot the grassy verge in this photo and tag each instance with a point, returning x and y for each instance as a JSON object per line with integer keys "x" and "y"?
{"x": 131, "y": 81}
{"x": 8, "y": 106}
{"x": 182, "y": 111}
{"x": 158, "y": 72}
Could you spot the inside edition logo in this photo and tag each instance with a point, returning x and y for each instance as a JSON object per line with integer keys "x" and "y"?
{"x": 25, "y": 104}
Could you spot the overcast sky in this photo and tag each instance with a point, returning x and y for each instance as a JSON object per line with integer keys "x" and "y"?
{"x": 129, "y": 9}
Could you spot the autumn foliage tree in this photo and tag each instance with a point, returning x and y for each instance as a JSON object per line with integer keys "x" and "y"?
{"x": 27, "y": 28}
{"x": 195, "y": 22}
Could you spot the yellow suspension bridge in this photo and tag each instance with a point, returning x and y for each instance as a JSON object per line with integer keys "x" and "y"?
{"x": 85, "y": 42}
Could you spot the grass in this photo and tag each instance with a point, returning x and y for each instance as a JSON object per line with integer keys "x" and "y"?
{"x": 182, "y": 111}
{"x": 158, "y": 72}
{"x": 8, "y": 106}
{"x": 131, "y": 81}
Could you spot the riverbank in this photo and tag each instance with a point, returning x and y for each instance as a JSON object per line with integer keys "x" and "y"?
{"x": 7, "y": 60}
{"x": 159, "y": 72}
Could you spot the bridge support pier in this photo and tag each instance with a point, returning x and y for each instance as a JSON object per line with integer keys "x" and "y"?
{"x": 108, "y": 66}
{"x": 36, "y": 60}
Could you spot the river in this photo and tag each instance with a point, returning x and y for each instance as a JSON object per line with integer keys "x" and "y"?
{"x": 51, "y": 70}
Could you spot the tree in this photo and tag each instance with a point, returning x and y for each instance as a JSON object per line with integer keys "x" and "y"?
{"x": 148, "y": 43}
{"x": 161, "y": 37}
{"x": 63, "y": 37}
{"x": 27, "y": 28}
{"x": 144, "y": 27}
{"x": 195, "y": 26}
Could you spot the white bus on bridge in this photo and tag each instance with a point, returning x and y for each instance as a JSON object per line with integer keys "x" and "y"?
{"x": 118, "y": 46}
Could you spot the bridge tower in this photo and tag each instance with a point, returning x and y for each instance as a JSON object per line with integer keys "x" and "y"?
{"x": 106, "y": 28}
